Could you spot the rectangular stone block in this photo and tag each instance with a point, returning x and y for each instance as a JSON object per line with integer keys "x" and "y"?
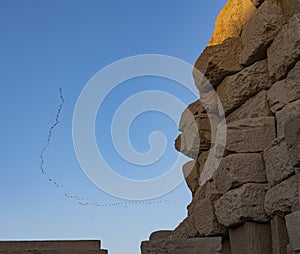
{"x": 293, "y": 228}
{"x": 279, "y": 160}
{"x": 279, "y": 235}
{"x": 238, "y": 169}
{"x": 250, "y": 135}
{"x": 283, "y": 115}
{"x": 209, "y": 245}
{"x": 251, "y": 238}
{"x": 217, "y": 62}
{"x": 283, "y": 197}
{"x": 242, "y": 204}
{"x": 235, "y": 90}
{"x": 285, "y": 91}
{"x": 285, "y": 49}
{"x": 260, "y": 31}
{"x": 256, "y": 106}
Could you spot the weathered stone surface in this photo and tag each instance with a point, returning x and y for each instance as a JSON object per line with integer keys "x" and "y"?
{"x": 191, "y": 174}
{"x": 293, "y": 228}
{"x": 283, "y": 115}
{"x": 257, "y": 3}
{"x": 280, "y": 159}
{"x": 186, "y": 229}
{"x": 51, "y": 247}
{"x": 250, "y": 135}
{"x": 217, "y": 62}
{"x": 188, "y": 144}
{"x": 282, "y": 198}
{"x": 210, "y": 245}
{"x": 289, "y": 7}
{"x": 205, "y": 221}
{"x": 260, "y": 31}
{"x": 292, "y": 134}
{"x": 285, "y": 49}
{"x": 285, "y": 91}
{"x": 235, "y": 90}
{"x": 279, "y": 235}
{"x": 251, "y": 238}
{"x": 257, "y": 106}
{"x": 160, "y": 235}
{"x": 242, "y": 204}
{"x": 231, "y": 20}
{"x": 226, "y": 249}
{"x": 237, "y": 169}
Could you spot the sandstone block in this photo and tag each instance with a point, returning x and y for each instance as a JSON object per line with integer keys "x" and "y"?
{"x": 251, "y": 238}
{"x": 210, "y": 245}
{"x": 279, "y": 235}
{"x": 256, "y": 106}
{"x": 293, "y": 228}
{"x": 282, "y": 198}
{"x": 285, "y": 91}
{"x": 205, "y": 220}
{"x": 160, "y": 235}
{"x": 283, "y": 115}
{"x": 231, "y": 20}
{"x": 217, "y": 62}
{"x": 289, "y": 7}
{"x": 191, "y": 174}
{"x": 237, "y": 169}
{"x": 235, "y": 90}
{"x": 260, "y": 31}
{"x": 280, "y": 159}
{"x": 242, "y": 204}
{"x": 285, "y": 49}
{"x": 250, "y": 135}
{"x": 186, "y": 229}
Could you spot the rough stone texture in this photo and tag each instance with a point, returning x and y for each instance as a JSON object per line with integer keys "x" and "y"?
{"x": 279, "y": 235}
{"x": 250, "y": 135}
{"x": 257, "y": 106}
{"x": 235, "y": 90}
{"x": 231, "y": 20}
{"x": 293, "y": 228}
{"x": 226, "y": 249}
{"x": 237, "y": 169}
{"x": 283, "y": 115}
{"x": 210, "y": 245}
{"x": 289, "y": 7}
{"x": 205, "y": 220}
{"x": 191, "y": 174}
{"x": 242, "y": 204}
{"x": 160, "y": 235}
{"x": 186, "y": 229}
{"x": 216, "y": 62}
{"x": 51, "y": 247}
{"x": 280, "y": 159}
{"x": 285, "y": 49}
{"x": 251, "y": 238}
{"x": 257, "y": 3}
{"x": 260, "y": 31}
{"x": 283, "y": 198}
{"x": 285, "y": 91}
{"x": 188, "y": 144}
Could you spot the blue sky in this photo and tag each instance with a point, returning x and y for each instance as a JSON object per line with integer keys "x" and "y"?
{"x": 47, "y": 45}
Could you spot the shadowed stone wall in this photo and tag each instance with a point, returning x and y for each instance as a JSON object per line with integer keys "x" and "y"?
{"x": 251, "y": 203}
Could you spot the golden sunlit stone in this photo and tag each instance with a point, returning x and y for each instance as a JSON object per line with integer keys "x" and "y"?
{"x": 231, "y": 20}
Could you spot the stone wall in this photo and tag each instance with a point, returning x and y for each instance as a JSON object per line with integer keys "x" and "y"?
{"x": 51, "y": 247}
{"x": 250, "y": 204}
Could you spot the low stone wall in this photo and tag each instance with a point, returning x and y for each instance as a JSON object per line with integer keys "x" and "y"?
{"x": 251, "y": 203}
{"x": 51, "y": 247}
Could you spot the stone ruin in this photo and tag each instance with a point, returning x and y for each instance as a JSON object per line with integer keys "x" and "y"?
{"x": 51, "y": 247}
{"x": 250, "y": 204}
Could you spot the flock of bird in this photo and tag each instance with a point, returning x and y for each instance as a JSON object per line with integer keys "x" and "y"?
{"x": 80, "y": 200}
